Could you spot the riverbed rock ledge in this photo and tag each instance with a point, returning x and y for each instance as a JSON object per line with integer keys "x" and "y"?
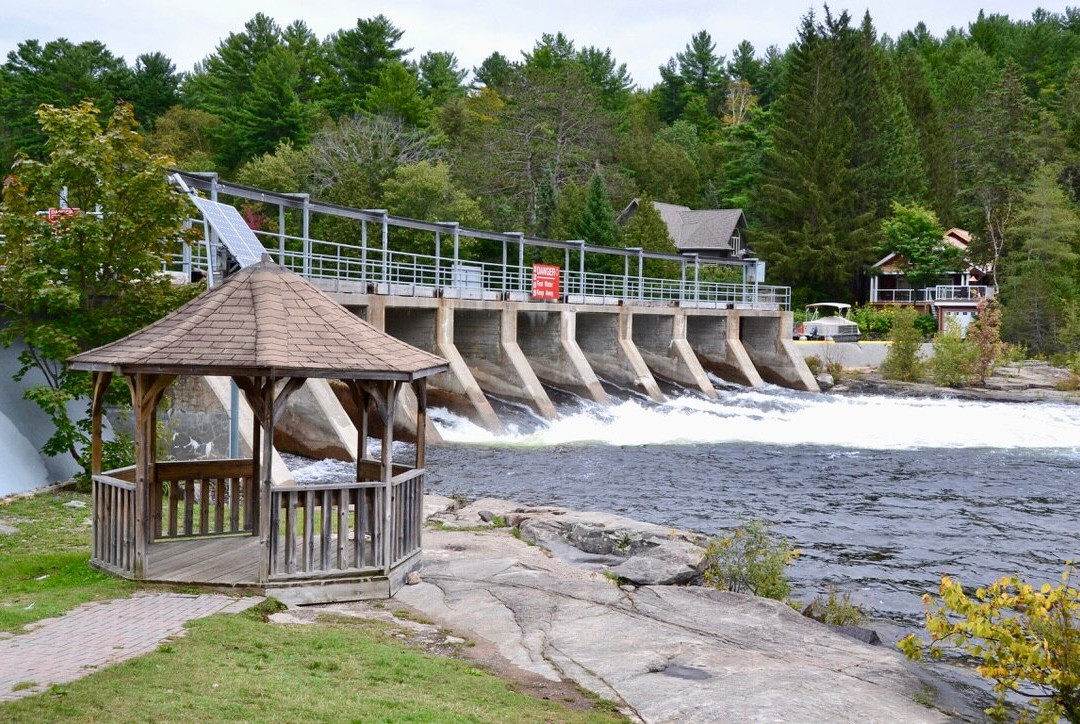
{"x": 1029, "y": 381}
{"x": 640, "y": 553}
{"x": 663, "y": 653}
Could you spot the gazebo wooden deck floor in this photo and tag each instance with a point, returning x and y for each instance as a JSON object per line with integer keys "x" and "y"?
{"x": 214, "y": 561}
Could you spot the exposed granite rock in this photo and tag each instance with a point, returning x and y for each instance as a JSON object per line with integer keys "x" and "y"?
{"x": 825, "y": 381}
{"x": 434, "y": 504}
{"x": 1029, "y": 375}
{"x": 663, "y": 653}
{"x": 478, "y": 513}
{"x": 641, "y": 553}
{"x": 997, "y": 389}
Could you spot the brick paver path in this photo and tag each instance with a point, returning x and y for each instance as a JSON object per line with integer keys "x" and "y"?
{"x": 58, "y": 650}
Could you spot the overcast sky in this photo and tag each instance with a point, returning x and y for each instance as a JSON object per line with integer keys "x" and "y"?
{"x": 642, "y": 34}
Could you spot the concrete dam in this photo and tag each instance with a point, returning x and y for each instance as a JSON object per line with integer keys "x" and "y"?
{"x": 502, "y": 341}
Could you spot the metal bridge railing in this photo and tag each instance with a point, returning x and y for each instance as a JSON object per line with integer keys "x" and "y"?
{"x": 395, "y": 272}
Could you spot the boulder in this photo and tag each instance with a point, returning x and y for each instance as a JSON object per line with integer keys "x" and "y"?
{"x": 435, "y": 504}
{"x": 825, "y": 381}
{"x": 640, "y": 553}
{"x": 866, "y": 635}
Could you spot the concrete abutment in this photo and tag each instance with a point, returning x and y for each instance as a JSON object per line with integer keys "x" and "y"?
{"x": 548, "y": 340}
{"x": 714, "y": 337}
{"x": 487, "y": 338}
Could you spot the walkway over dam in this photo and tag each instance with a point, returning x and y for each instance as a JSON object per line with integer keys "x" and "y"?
{"x": 627, "y": 329}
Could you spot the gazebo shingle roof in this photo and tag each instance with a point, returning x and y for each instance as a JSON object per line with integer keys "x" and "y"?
{"x": 263, "y": 321}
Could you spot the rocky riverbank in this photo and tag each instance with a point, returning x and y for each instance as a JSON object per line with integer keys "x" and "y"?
{"x": 589, "y": 597}
{"x": 1027, "y": 381}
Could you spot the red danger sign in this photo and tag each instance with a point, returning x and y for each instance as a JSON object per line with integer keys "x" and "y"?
{"x": 545, "y": 281}
{"x": 55, "y": 215}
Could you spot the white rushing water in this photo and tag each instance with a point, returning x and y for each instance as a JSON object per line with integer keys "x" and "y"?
{"x": 780, "y": 417}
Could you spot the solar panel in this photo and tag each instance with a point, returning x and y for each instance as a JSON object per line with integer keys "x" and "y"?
{"x": 232, "y": 230}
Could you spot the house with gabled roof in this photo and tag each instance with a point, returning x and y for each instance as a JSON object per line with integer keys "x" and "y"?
{"x": 957, "y": 295}
{"x": 717, "y": 236}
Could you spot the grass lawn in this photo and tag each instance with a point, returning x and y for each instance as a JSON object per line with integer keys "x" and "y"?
{"x": 43, "y": 565}
{"x": 239, "y": 667}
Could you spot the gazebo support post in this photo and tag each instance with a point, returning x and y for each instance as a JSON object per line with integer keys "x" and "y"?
{"x": 146, "y": 391}
{"x": 420, "y": 390}
{"x": 99, "y": 386}
{"x": 361, "y": 399}
{"x": 267, "y": 403}
{"x": 392, "y": 389}
{"x": 251, "y": 505}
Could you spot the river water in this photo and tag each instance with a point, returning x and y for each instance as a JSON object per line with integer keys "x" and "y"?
{"x": 881, "y": 495}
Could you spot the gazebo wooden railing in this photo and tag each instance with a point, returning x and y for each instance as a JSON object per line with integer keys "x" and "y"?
{"x": 113, "y": 534}
{"x": 345, "y": 529}
{"x": 202, "y": 497}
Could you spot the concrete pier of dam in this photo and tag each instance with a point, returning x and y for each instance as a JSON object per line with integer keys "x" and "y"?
{"x": 513, "y": 350}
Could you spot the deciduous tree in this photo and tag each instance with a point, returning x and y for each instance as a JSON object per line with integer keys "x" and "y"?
{"x": 86, "y": 279}
{"x": 913, "y": 232}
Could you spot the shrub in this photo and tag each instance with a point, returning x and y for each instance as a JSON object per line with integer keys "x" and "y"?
{"x": 1026, "y": 639}
{"x": 1012, "y": 353}
{"x": 926, "y": 324}
{"x": 955, "y": 361}
{"x": 837, "y": 610}
{"x": 985, "y": 334}
{"x": 750, "y": 559}
{"x": 835, "y": 369}
{"x": 813, "y": 363}
{"x": 874, "y": 322}
{"x": 902, "y": 360}
{"x": 1069, "y": 384}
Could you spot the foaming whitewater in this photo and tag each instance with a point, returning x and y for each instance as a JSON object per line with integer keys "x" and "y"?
{"x": 882, "y": 495}
{"x": 773, "y": 416}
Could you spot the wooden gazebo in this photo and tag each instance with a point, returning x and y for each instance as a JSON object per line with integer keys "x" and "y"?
{"x": 224, "y": 522}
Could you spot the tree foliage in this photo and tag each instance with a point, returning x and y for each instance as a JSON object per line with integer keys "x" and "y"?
{"x": 647, "y": 230}
{"x": 1025, "y": 639}
{"x": 913, "y": 232}
{"x": 816, "y": 141}
{"x": 60, "y": 73}
{"x": 425, "y": 190}
{"x": 1040, "y": 273}
{"x": 84, "y": 280}
{"x": 597, "y": 222}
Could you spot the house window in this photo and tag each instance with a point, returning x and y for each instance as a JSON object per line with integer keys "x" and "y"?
{"x": 736, "y": 242}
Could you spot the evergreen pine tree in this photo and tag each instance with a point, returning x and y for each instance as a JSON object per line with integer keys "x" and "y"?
{"x": 596, "y": 225}
{"x": 812, "y": 232}
{"x": 647, "y": 230}
{"x": 1042, "y": 281}
{"x": 545, "y": 204}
